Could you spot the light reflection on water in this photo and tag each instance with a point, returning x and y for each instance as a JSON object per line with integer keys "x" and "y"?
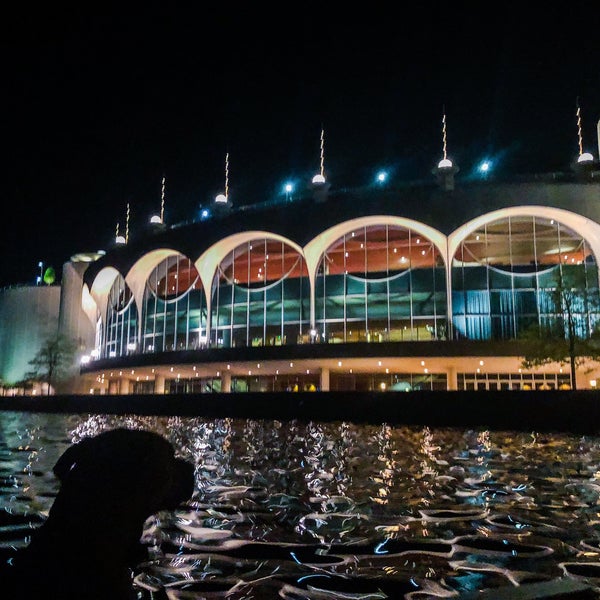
{"x": 329, "y": 510}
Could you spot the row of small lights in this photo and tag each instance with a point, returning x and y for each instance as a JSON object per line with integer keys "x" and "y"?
{"x": 382, "y": 176}
{"x": 101, "y": 378}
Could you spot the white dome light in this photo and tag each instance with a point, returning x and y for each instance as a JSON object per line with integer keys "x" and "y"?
{"x": 221, "y": 199}
{"x": 585, "y": 157}
{"x": 120, "y": 239}
{"x": 155, "y": 219}
{"x": 445, "y": 163}
{"x": 318, "y": 178}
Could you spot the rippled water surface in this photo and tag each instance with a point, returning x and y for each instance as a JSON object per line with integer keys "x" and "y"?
{"x": 338, "y": 510}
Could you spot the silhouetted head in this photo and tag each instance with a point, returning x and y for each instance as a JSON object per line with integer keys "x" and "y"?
{"x": 109, "y": 485}
{"x": 124, "y": 469}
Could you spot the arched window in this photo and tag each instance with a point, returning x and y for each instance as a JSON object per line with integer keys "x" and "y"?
{"x": 121, "y": 320}
{"x": 260, "y": 296}
{"x": 514, "y": 273}
{"x": 174, "y": 307}
{"x": 381, "y": 283}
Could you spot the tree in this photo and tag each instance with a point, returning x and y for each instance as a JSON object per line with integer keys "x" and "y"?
{"x": 49, "y": 276}
{"x": 569, "y": 335}
{"x": 52, "y": 361}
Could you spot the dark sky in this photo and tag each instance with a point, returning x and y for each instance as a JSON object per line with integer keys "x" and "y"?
{"x": 97, "y": 108}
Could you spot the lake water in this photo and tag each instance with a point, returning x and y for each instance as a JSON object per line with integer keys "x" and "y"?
{"x": 298, "y": 510}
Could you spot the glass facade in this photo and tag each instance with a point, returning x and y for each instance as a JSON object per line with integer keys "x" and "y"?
{"x": 174, "y": 307}
{"x": 377, "y": 283}
{"x": 120, "y": 337}
{"x": 381, "y": 283}
{"x": 521, "y": 272}
{"x": 260, "y": 296}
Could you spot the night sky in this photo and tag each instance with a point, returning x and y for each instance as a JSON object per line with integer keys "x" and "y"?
{"x": 97, "y": 108}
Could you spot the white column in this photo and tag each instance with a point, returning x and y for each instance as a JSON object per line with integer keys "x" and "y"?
{"x": 452, "y": 378}
{"x": 324, "y": 379}
{"x": 124, "y": 386}
{"x": 159, "y": 384}
{"x": 226, "y": 382}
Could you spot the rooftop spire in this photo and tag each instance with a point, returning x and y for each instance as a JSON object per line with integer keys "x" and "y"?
{"x": 320, "y": 176}
{"x": 227, "y": 175}
{"x": 444, "y": 140}
{"x": 322, "y": 171}
{"x": 583, "y": 156}
{"x": 119, "y": 239}
{"x": 127, "y": 225}
{"x": 445, "y": 163}
{"x": 224, "y": 198}
{"x": 162, "y": 200}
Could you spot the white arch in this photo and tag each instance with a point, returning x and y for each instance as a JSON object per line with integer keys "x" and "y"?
{"x": 138, "y": 276}
{"x": 586, "y": 228}
{"x": 101, "y": 287}
{"x": 314, "y": 250}
{"x": 208, "y": 262}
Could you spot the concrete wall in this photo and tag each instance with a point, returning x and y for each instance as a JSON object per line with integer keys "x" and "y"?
{"x": 74, "y": 324}
{"x": 28, "y": 316}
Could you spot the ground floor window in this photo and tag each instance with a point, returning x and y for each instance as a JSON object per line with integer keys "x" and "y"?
{"x": 514, "y": 381}
{"x": 305, "y": 382}
{"x": 387, "y": 382}
{"x": 195, "y": 385}
{"x": 143, "y": 387}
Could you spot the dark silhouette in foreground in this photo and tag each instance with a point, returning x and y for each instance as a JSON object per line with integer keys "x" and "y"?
{"x": 89, "y": 544}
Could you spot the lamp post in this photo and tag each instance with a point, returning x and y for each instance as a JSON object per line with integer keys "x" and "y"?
{"x": 40, "y": 277}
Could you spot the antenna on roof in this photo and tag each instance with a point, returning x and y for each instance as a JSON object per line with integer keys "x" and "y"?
{"x": 227, "y": 175}
{"x": 319, "y": 178}
{"x": 445, "y": 169}
{"x": 583, "y": 156}
{"x": 162, "y": 200}
{"x": 322, "y": 171}
{"x": 445, "y": 163}
{"x": 156, "y": 219}
{"x": 119, "y": 239}
{"x": 223, "y": 199}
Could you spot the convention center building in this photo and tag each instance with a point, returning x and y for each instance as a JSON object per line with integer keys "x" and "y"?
{"x": 395, "y": 286}
{"x": 426, "y": 285}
